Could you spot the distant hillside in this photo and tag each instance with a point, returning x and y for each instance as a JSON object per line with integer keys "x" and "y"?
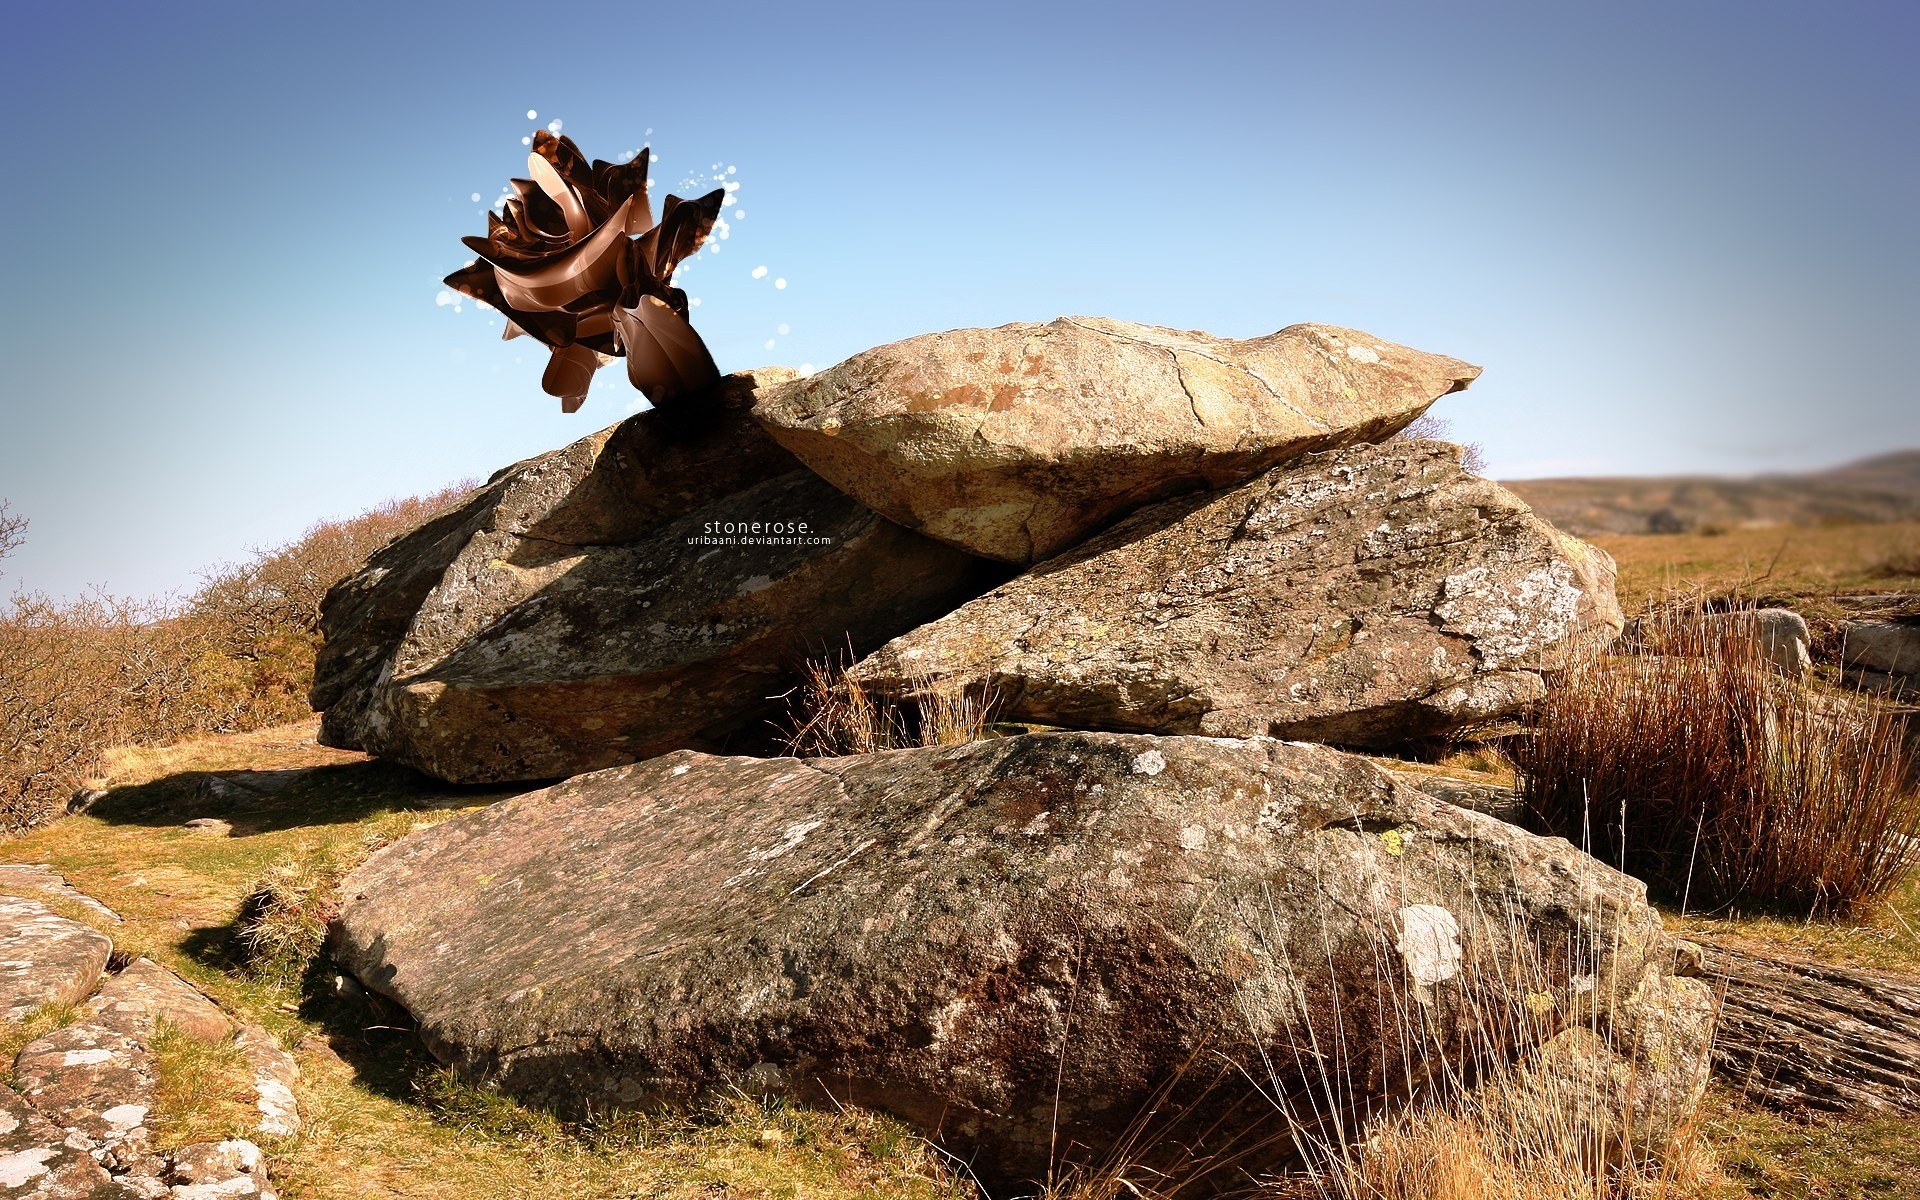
{"x": 1883, "y": 488}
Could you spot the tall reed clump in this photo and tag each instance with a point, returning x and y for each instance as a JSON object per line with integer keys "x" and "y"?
{"x": 1693, "y": 763}
{"x": 832, "y": 713}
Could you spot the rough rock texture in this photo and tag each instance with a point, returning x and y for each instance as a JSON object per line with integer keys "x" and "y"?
{"x": 1804, "y": 1034}
{"x": 144, "y": 993}
{"x": 1016, "y": 442}
{"x": 1888, "y": 647}
{"x": 229, "y": 1170}
{"x": 564, "y": 620}
{"x": 79, "y": 1124}
{"x": 1363, "y": 597}
{"x": 45, "y": 958}
{"x": 40, "y": 1162}
{"x": 961, "y": 935}
{"x": 98, "y": 1082}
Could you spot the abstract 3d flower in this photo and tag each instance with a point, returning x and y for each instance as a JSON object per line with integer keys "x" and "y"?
{"x": 575, "y": 261}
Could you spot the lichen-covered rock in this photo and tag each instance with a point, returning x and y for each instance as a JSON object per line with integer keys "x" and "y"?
{"x": 274, "y": 1073}
{"x": 40, "y": 1162}
{"x": 606, "y": 488}
{"x": 97, "y": 1082}
{"x": 231, "y": 1170}
{"x": 577, "y": 613}
{"x": 1016, "y": 442}
{"x": 1362, "y": 597}
{"x": 1020, "y": 945}
{"x": 1888, "y": 647}
{"x": 46, "y": 958}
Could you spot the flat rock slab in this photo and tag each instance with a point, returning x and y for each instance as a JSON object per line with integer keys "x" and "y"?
{"x": 1015, "y": 443}
{"x": 40, "y": 1162}
{"x": 30, "y": 879}
{"x": 1363, "y": 597}
{"x": 46, "y": 958}
{"x": 999, "y": 942}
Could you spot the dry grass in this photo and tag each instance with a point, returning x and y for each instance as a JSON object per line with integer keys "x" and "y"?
{"x": 283, "y": 921}
{"x": 1722, "y": 783}
{"x": 832, "y": 713}
{"x": 1795, "y": 565}
{"x": 203, "y": 1091}
{"x": 38, "y": 1023}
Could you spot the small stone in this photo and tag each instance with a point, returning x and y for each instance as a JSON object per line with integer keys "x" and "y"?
{"x": 211, "y": 826}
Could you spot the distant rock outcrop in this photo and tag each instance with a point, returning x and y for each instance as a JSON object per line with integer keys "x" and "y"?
{"x": 1020, "y": 945}
{"x": 1017, "y": 442}
{"x": 1364, "y": 597}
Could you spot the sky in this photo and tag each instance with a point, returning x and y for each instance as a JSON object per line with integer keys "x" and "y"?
{"x": 1680, "y": 237}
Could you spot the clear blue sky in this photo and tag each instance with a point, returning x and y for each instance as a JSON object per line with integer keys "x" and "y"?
{"x": 1679, "y": 236}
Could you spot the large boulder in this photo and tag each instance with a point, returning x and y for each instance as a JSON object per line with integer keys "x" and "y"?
{"x": 1020, "y": 945}
{"x": 1362, "y": 597}
{"x": 585, "y": 608}
{"x": 1016, "y": 442}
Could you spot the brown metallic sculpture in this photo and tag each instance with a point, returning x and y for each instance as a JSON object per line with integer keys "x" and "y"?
{"x": 575, "y": 261}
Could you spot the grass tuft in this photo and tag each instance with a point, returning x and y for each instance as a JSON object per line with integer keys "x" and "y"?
{"x": 833, "y": 714}
{"x": 203, "y": 1090}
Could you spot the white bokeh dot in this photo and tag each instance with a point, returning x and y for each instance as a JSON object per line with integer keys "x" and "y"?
{"x": 782, "y": 330}
{"x": 532, "y": 115}
{"x": 780, "y": 283}
{"x": 759, "y": 272}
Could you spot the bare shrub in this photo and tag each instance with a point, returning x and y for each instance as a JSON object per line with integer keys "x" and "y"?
{"x": 1429, "y": 427}
{"x": 1702, "y": 770}
{"x": 833, "y": 714}
{"x": 13, "y": 530}
{"x": 79, "y": 676}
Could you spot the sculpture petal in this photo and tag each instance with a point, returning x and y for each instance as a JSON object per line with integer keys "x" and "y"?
{"x": 481, "y": 281}
{"x": 684, "y": 225}
{"x": 572, "y": 211}
{"x": 569, "y": 373}
{"x": 666, "y": 359}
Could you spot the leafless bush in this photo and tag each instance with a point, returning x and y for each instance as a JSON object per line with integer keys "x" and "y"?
{"x": 13, "y": 530}
{"x": 1719, "y": 781}
{"x": 1440, "y": 429}
{"x": 78, "y": 676}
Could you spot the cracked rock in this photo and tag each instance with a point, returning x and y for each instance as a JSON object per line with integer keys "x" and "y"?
{"x": 40, "y": 1162}
{"x": 1363, "y": 597}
